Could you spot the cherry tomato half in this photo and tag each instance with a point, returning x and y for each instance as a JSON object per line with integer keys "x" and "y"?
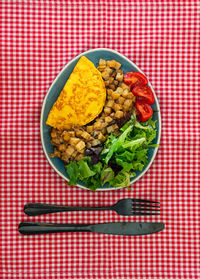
{"x": 134, "y": 78}
{"x": 143, "y": 93}
{"x": 143, "y": 111}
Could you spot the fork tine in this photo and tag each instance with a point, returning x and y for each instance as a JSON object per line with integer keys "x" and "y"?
{"x": 144, "y": 209}
{"x": 138, "y": 200}
{"x": 145, "y": 205}
{"x": 142, "y": 213}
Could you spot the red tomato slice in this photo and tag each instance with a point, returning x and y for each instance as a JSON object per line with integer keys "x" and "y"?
{"x": 143, "y": 93}
{"x": 143, "y": 111}
{"x": 134, "y": 78}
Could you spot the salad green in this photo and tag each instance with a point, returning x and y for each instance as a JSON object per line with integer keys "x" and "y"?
{"x": 120, "y": 158}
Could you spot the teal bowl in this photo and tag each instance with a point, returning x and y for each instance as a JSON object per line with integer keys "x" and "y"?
{"x": 54, "y": 91}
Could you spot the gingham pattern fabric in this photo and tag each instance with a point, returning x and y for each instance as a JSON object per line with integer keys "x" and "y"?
{"x": 37, "y": 39}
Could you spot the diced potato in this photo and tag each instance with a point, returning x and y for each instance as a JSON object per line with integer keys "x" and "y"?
{"x": 121, "y": 100}
{"x": 74, "y": 141}
{"x": 55, "y": 141}
{"x": 90, "y": 129}
{"x": 102, "y": 62}
{"x": 109, "y": 70}
{"x": 55, "y": 154}
{"x": 59, "y": 132}
{"x": 80, "y": 146}
{"x": 82, "y": 151}
{"x": 110, "y": 129}
{"x": 108, "y": 119}
{"x": 65, "y": 158}
{"x": 125, "y": 93}
{"x": 85, "y": 135}
{"x": 115, "y": 126}
{"x": 119, "y": 77}
{"x": 88, "y": 144}
{"x": 115, "y": 95}
{"x": 105, "y": 75}
{"x": 101, "y": 68}
{"x": 102, "y": 116}
{"x": 96, "y": 133}
{"x": 112, "y": 86}
{"x": 70, "y": 149}
{"x": 107, "y": 82}
{"x": 62, "y": 147}
{"x": 97, "y": 125}
{"x": 130, "y": 95}
{"x": 113, "y": 64}
{"x": 127, "y": 104}
{"x": 107, "y": 110}
{"x": 110, "y": 103}
{"x": 114, "y": 74}
{"x": 111, "y": 79}
{"x": 78, "y": 132}
{"x": 124, "y": 86}
{"x": 116, "y": 133}
{"x": 109, "y": 91}
{"x": 101, "y": 137}
{"x": 103, "y": 130}
{"x": 71, "y": 133}
{"x": 116, "y": 82}
{"x": 119, "y": 114}
{"x": 119, "y": 90}
{"x": 74, "y": 154}
{"x": 53, "y": 133}
{"x": 79, "y": 157}
{"x": 66, "y": 136}
{"x": 95, "y": 142}
{"x": 117, "y": 107}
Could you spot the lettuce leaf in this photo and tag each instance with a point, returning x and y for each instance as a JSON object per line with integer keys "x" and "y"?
{"x": 129, "y": 151}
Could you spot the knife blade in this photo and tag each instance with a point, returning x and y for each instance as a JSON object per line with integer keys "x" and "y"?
{"x": 117, "y": 228}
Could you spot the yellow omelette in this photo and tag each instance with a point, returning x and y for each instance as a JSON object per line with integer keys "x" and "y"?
{"x": 82, "y": 98}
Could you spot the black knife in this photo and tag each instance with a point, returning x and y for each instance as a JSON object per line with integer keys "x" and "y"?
{"x": 118, "y": 228}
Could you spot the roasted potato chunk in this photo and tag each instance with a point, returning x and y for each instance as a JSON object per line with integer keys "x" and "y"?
{"x": 119, "y": 114}
{"x": 80, "y": 146}
{"x": 119, "y": 77}
{"x": 85, "y": 135}
{"x": 113, "y": 64}
{"x": 70, "y": 149}
{"x": 74, "y": 141}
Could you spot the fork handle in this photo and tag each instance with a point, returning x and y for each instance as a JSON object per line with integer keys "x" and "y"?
{"x": 29, "y": 228}
{"x": 34, "y": 209}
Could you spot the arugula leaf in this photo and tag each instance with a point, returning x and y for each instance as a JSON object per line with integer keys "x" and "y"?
{"x": 106, "y": 175}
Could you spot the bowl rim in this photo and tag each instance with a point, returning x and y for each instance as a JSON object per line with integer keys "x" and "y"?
{"x": 42, "y": 113}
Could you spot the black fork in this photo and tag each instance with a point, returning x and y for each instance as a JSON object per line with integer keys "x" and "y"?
{"x": 125, "y": 207}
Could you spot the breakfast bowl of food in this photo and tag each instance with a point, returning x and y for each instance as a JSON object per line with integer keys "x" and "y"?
{"x": 100, "y": 121}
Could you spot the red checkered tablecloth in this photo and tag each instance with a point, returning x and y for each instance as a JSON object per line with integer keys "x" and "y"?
{"x": 37, "y": 39}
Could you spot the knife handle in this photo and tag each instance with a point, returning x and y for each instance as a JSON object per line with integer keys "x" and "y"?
{"x": 29, "y": 228}
{"x": 34, "y": 209}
